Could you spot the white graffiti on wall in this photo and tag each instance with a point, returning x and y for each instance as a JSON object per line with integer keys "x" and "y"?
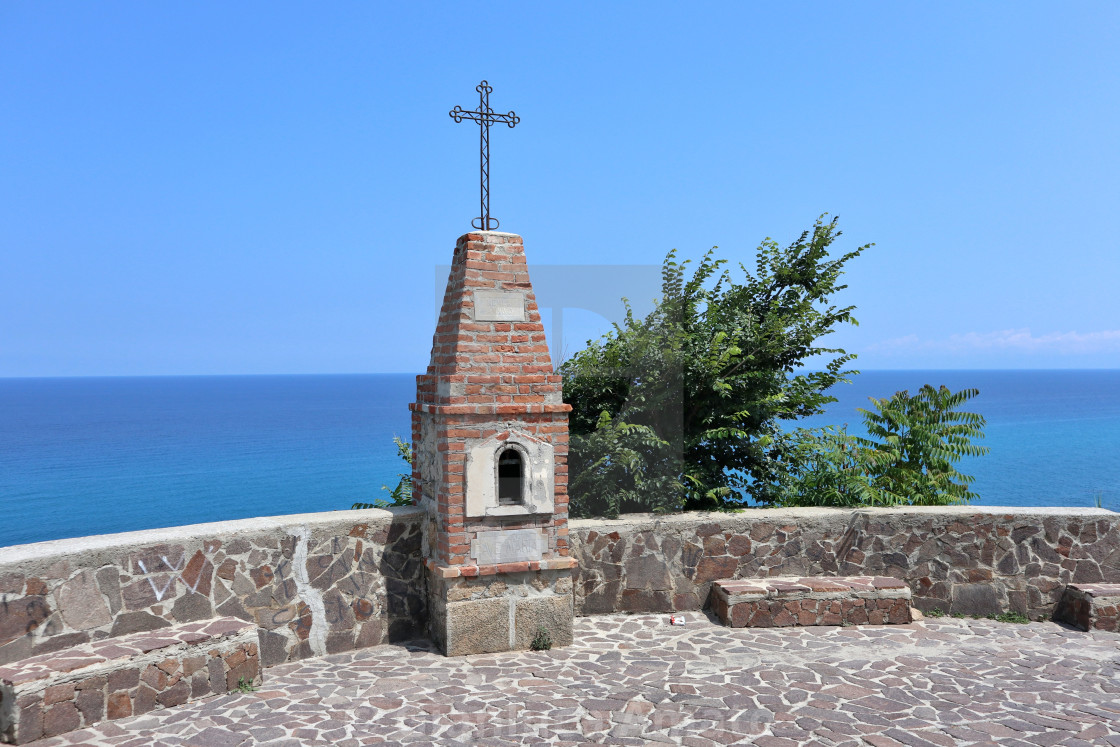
{"x": 176, "y": 568}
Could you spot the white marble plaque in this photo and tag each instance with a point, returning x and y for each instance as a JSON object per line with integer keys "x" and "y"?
{"x": 499, "y": 306}
{"x": 491, "y": 548}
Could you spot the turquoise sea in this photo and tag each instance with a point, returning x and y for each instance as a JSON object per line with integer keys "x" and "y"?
{"x": 83, "y": 456}
{"x": 1054, "y": 435}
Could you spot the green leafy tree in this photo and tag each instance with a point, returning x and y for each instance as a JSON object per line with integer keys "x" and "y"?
{"x": 908, "y": 458}
{"x": 623, "y": 467}
{"x": 682, "y": 409}
{"x": 821, "y": 467}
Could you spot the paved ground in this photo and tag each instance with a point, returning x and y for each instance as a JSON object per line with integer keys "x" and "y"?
{"x": 638, "y": 680}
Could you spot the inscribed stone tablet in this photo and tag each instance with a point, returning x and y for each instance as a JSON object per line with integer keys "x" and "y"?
{"x": 499, "y": 306}
{"x": 491, "y": 548}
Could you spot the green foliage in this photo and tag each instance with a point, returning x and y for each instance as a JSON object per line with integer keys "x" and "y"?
{"x": 639, "y": 469}
{"x": 908, "y": 458}
{"x": 915, "y": 441}
{"x": 1012, "y": 617}
{"x": 542, "y": 641}
{"x": 401, "y": 495}
{"x": 936, "y": 612}
{"x": 245, "y": 686}
{"x": 820, "y": 467}
{"x": 681, "y": 409}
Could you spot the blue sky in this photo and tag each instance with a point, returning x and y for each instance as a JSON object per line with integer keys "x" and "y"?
{"x": 204, "y": 188}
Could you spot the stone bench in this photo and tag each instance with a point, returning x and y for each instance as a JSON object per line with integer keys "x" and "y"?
{"x": 789, "y": 600}
{"x": 112, "y": 678}
{"x": 1090, "y": 607}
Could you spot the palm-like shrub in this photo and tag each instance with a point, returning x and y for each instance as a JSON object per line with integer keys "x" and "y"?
{"x": 908, "y": 458}
{"x": 914, "y": 443}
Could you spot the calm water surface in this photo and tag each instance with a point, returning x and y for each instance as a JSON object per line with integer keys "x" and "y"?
{"x": 97, "y": 455}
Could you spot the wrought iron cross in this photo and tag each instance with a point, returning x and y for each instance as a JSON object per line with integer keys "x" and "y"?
{"x": 485, "y": 116}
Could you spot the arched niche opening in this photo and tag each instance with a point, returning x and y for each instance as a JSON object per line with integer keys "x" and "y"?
{"x": 497, "y": 484}
{"x": 511, "y": 477}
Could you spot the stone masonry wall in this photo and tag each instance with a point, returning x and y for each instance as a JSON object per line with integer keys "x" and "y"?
{"x": 321, "y": 583}
{"x": 959, "y": 559}
{"x": 313, "y": 584}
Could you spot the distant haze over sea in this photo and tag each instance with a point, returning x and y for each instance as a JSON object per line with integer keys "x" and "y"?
{"x": 82, "y": 456}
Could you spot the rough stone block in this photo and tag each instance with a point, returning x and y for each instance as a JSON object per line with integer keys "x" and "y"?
{"x": 553, "y": 613}
{"x": 976, "y": 599}
{"x": 22, "y": 615}
{"x": 478, "y": 627}
{"x": 61, "y": 718}
{"x": 81, "y": 603}
{"x": 1090, "y": 607}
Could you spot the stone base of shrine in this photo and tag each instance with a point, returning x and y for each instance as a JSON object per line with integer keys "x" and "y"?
{"x": 488, "y": 609}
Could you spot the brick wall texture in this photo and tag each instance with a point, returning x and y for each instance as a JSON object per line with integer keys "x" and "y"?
{"x": 485, "y": 378}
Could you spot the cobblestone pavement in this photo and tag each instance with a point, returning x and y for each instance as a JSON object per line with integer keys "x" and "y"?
{"x": 638, "y": 680}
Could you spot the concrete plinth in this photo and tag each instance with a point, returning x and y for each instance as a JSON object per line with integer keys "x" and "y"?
{"x": 499, "y": 612}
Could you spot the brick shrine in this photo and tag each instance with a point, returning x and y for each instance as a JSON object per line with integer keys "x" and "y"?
{"x": 490, "y": 442}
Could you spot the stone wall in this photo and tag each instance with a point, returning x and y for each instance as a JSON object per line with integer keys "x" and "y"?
{"x": 958, "y": 559}
{"x": 322, "y": 583}
{"x": 313, "y": 584}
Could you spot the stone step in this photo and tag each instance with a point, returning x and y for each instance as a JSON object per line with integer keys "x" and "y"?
{"x": 1090, "y": 607}
{"x": 782, "y": 601}
{"x": 112, "y": 678}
